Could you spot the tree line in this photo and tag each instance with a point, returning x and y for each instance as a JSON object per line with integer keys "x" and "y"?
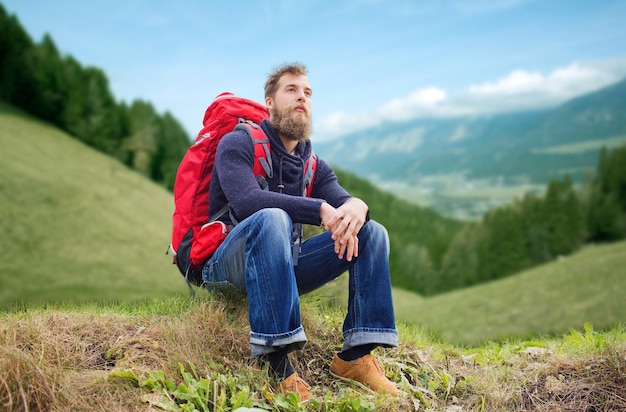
{"x": 432, "y": 254}
{"x": 37, "y": 79}
{"x": 536, "y": 229}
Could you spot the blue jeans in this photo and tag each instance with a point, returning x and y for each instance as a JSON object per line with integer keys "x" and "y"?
{"x": 256, "y": 258}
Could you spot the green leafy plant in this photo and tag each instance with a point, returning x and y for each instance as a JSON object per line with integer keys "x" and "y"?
{"x": 196, "y": 393}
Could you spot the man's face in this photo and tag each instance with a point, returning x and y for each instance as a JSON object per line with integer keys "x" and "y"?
{"x": 290, "y": 107}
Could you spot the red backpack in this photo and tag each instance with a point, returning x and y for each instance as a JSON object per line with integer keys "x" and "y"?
{"x": 195, "y": 236}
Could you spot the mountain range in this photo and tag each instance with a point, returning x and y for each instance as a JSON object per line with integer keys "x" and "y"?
{"x": 463, "y": 166}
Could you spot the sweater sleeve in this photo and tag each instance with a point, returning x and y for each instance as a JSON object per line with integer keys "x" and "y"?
{"x": 326, "y": 186}
{"x": 234, "y": 161}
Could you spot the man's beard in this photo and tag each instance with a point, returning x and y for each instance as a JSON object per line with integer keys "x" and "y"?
{"x": 292, "y": 124}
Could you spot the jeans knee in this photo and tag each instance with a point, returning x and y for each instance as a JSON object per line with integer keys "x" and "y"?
{"x": 275, "y": 218}
{"x": 376, "y": 234}
{"x": 272, "y": 224}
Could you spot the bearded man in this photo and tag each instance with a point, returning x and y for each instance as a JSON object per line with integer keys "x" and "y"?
{"x": 263, "y": 255}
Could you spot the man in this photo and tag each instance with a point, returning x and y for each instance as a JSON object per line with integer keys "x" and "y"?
{"x": 258, "y": 256}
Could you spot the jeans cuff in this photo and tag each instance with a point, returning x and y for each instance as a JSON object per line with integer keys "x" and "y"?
{"x": 362, "y": 336}
{"x": 263, "y": 344}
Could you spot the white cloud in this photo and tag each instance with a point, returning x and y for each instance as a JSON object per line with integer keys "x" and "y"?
{"x": 522, "y": 90}
{"x": 516, "y": 82}
{"x": 340, "y": 123}
{"x": 519, "y": 90}
{"x": 401, "y": 109}
{"x": 560, "y": 84}
{"x": 406, "y": 108}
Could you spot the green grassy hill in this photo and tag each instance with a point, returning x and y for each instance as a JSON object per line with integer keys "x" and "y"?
{"x": 77, "y": 224}
{"x": 589, "y": 286}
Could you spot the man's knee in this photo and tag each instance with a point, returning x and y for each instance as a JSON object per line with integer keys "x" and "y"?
{"x": 273, "y": 217}
{"x": 375, "y": 234}
{"x": 271, "y": 224}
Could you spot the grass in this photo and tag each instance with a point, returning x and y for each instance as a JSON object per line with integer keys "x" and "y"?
{"x": 589, "y": 286}
{"x": 76, "y": 224}
{"x": 180, "y": 354}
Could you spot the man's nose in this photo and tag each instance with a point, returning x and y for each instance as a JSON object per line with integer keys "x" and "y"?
{"x": 301, "y": 96}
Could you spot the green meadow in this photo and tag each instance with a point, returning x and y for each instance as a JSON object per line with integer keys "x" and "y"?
{"x": 77, "y": 224}
{"x": 589, "y": 286}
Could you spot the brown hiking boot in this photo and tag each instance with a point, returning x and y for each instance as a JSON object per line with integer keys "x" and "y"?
{"x": 294, "y": 383}
{"x": 366, "y": 371}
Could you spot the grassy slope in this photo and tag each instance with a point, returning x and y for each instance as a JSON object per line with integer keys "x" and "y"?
{"x": 75, "y": 223}
{"x": 589, "y": 286}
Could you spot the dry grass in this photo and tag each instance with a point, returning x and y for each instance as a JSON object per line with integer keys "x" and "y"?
{"x": 64, "y": 359}
{"x": 597, "y": 383}
{"x": 57, "y": 360}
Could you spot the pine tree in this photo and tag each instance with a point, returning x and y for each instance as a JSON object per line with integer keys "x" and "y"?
{"x": 535, "y": 228}
{"x": 17, "y": 83}
{"x": 49, "y": 98}
{"x": 141, "y": 144}
{"x": 504, "y": 247}
{"x": 606, "y": 219}
{"x": 460, "y": 265}
{"x": 564, "y": 217}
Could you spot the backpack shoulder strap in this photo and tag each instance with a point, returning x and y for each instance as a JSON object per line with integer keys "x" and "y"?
{"x": 309, "y": 174}
{"x": 262, "y": 156}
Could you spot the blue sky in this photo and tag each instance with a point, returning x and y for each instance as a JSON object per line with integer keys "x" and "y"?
{"x": 370, "y": 61}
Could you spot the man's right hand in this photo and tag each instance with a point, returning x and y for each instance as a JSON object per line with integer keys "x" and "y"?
{"x": 345, "y": 243}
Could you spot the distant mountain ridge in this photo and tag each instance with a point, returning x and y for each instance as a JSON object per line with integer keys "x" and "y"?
{"x": 436, "y": 161}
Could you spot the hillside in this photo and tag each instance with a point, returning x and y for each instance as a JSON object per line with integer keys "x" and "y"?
{"x": 419, "y": 237}
{"x": 49, "y": 85}
{"x": 588, "y": 286}
{"x": 463, "y": 166}
{"x": 75, "y": 223}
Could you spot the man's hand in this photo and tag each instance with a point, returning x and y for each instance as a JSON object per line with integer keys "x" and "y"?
{"x": 344, "y": 223}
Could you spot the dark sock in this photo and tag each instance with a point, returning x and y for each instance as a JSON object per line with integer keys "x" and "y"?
{"x": 356, "y": 352}
{"x": 279, "y": 365}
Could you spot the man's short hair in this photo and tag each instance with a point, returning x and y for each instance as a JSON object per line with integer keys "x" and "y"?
{"x": 297, "y": 69}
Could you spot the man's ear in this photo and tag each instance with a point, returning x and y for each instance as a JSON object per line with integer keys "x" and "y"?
{"x": 269, "y": 103}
